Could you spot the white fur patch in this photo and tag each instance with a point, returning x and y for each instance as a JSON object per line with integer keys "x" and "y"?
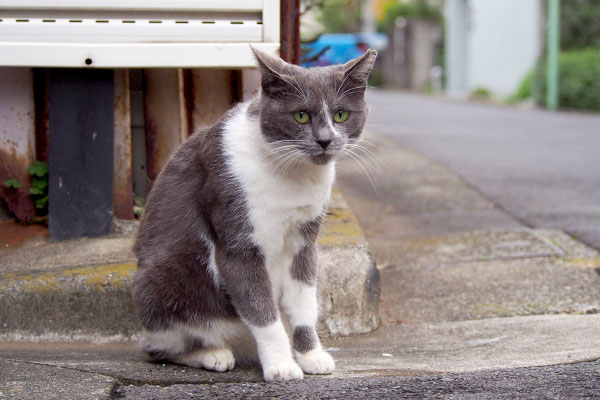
{"x": 274, "y": 353}
{"x": 212, "y": 263}
{"x": 329, "y": 119}
{"x": 299, "y": 302}
{"x": 277, "y": 203}
{"x": 170, "y": 341}
{"x": 218, "y": 334}
{"x": 316, "y": 362}
{"x": 211, "y": 359}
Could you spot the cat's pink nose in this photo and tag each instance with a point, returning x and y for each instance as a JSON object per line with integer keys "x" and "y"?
{"x": 324, "y": 142}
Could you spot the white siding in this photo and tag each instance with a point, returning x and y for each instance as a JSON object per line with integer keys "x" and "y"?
{"x": 503, "y": 43}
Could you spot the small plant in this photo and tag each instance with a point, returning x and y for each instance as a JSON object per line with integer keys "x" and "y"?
{"x": 12, "y": 183}
{"x": 523, "y": 92}
{"x": 39, "y": 184}
{"x": 138, "y": 207}
{"x": 481, "y": 93}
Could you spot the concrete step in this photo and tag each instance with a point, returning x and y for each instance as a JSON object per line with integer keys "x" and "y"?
{"x": 79, "y": 290}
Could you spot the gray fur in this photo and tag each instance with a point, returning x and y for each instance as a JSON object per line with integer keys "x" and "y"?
{"x": 304, "y": 266}
{"x": 305, "y": 339}
{"x": 181, "y": 213}
{"x": 196, "y": 205}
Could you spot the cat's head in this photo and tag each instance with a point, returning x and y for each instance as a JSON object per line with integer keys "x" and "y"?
{"x": 313, "y": 112}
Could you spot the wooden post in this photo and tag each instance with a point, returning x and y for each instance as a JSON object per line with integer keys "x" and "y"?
{"x": 250, "y": 83}
{"x": 123, "y": 181}
{"x": 290, "y": 31}
{"x": 209, "y": 93}
{"x": 81, "y": 153}
{"x": 164, "y": 113}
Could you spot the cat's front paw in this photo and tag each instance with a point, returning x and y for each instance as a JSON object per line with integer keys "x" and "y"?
{"x": 316, "y": 362}
{"x": 282, "y": 371}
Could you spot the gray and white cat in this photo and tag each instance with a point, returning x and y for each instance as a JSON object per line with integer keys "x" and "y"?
{"x": 228, "y": 235}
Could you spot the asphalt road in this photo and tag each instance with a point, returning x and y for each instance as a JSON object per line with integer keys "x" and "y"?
{"x": 542, "y": 168}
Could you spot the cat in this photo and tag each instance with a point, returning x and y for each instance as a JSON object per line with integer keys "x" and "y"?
{"x": 228, "y": 234}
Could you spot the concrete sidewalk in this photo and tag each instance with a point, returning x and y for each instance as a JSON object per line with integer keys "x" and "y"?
{"x": 79, "y": 289}
{"x": 471, "y": 300}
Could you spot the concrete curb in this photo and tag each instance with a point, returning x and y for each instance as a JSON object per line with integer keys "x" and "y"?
{"x": 93, "y": 302}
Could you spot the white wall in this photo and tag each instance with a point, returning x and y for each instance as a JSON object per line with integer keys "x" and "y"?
{"x": 503, "y": 43}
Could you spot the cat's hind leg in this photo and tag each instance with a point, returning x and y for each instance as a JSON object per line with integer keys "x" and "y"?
{"x": 210, "y": 359}
{"x": 163, "y": 345}
{"x": 176, "y": 345}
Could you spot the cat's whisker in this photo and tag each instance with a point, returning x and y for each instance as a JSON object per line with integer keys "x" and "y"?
{"x": 280, "y": 167}
{"x": 303, "y": 95}
{"x": 352, "y": 90}
{"x": 355, "y": 88}
{"x": 371, "y": 156}
{"x": 288, "y": 141}
{"x": 363, "y": 140}
{"x": 292, "y": 161}
{"x": 373, "y": 165}
{"x": 283, "y": 160}
{"x": 282, "y": 148}
{"x": 295, "y": 95}
{"x": 356, "y": 159}
{"x": 359, "y": 146}
{"x": 300, "y": 88}
{"x": 341, "y": 85}
{"x": 278, "y": 151}
{"x": 364, "y": 146}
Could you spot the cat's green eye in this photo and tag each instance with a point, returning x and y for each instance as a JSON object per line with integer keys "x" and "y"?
{"x": 302, "y": 116}
{"x": 341, "y": 116}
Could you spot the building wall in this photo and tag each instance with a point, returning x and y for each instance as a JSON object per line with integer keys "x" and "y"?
{"x": 503, "y": 43}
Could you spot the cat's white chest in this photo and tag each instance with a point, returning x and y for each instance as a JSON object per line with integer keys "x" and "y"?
{"x": 277, "y": 205}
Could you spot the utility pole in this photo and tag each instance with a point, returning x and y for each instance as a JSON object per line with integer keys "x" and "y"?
{"x": 457, "y": 22}
{"x": 552, "y": 46}
{"x": 367, "y": 19}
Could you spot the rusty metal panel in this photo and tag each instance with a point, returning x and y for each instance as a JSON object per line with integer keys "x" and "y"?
{"x": 209, "y": 93}
{"x": 123, "y": 191}
{"x": 17, "y": 143}
{"x": 164, "y": 113}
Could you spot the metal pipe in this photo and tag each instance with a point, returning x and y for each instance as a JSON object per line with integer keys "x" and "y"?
{"x": 552, "y": 46}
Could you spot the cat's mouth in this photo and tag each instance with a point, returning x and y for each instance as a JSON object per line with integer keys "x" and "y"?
{"x": 321, "y": 159}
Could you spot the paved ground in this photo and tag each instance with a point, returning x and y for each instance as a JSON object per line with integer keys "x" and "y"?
{"x": 571, "y": 381}
{"x": 541, "y": 167}
{"x": 474, "y": 304}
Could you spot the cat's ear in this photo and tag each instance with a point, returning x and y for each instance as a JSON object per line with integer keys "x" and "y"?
{"x": 273, "y": 72}
{"x": 357, "y": 71}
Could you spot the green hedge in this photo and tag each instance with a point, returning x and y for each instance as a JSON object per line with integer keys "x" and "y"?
{"x": 579, "y": 80}
{"x": 579, "y": 24}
